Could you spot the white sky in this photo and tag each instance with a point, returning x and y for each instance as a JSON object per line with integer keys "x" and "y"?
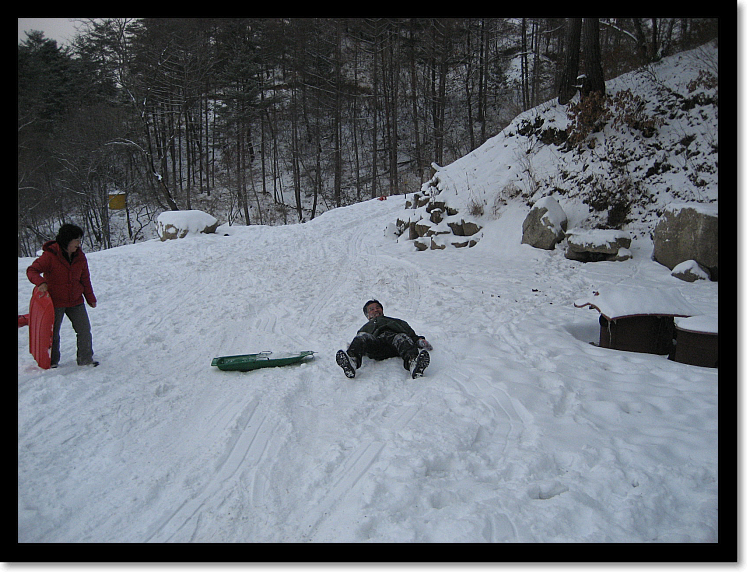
{"x": 60, "y": 29}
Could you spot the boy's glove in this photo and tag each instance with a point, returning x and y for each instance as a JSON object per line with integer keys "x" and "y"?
{"x": 423, "y": 343}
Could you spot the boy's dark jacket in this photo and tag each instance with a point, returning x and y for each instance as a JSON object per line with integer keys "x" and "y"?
{"x": 381, "y": 323}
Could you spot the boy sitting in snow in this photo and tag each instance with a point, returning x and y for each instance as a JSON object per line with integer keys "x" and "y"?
{"x": 384, "y": 337}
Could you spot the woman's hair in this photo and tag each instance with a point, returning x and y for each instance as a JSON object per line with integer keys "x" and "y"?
{"x": 67, "y": 233}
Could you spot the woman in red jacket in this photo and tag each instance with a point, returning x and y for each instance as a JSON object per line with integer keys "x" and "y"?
{"x": 62, "y": 270}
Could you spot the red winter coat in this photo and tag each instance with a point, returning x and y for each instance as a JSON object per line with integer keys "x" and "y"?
{"x": 68, "y": 282}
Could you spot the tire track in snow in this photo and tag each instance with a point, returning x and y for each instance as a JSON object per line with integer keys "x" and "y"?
{"x": 347, "y": 476}
{"x": 331, "y": 267}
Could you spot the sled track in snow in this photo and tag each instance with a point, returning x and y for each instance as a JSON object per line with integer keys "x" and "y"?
{"x": 508, "y": 424}
{"x": 253, "y": 443}
{"x": 348, "y": 270}
{"x": 355, "y": 467}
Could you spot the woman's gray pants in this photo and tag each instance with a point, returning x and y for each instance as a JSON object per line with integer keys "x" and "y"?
{"x": 79, "y": 317}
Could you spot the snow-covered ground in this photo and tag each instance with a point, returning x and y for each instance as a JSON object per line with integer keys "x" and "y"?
{"x": 522, "y": 429}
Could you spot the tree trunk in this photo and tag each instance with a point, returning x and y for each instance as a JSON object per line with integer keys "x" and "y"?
{"x": 468, "y": 85}
{"x": 295, "y": 167}
{"x": 414, "y": 98}
{"x": 568, "y": 85}
{"x": 390, "y": 75}
{"x": 337, "y": 119}
{"x": 523, "y": 67}
{"x": 594, "y": 80}
{"x": 375, "y": 95}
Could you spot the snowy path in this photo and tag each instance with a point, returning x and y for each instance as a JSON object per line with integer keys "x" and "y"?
{"x": 521, "y": 430}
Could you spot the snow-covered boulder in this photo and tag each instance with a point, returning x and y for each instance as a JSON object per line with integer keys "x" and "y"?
{"x": 598, "y": 245}
{"x": 690, "y": 271}
{"x": 545, "y": 224}
{"x": 688, "y": 231}
{"x": 179, "y": 224}
{"x": 463, "y": 228}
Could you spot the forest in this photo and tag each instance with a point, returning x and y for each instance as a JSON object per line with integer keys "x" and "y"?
{"x": 276, "y": 120}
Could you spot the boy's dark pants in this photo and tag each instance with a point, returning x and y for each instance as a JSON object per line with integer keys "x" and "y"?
{"x": 386, "y": 345}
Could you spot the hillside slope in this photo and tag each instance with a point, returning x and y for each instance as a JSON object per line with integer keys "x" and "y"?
{"x": 647, "y": 168}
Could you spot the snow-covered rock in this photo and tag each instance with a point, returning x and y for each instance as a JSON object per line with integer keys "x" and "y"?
{"x": 688, "y": 232}
{"x": 690, "y": 271}
{"x": 598, "y": 245}
{"x": 179, "y": 224}
{"x": 434, "y": 225}
{"x": 545, "y": 224}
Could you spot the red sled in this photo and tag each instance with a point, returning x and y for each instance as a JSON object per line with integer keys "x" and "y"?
{"x": 41, "y": 326}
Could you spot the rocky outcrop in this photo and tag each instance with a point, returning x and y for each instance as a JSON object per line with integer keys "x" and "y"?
{"x": 433, "y": 225}
{"x": 690, "y": 271}
{"x": 688, "y": 232}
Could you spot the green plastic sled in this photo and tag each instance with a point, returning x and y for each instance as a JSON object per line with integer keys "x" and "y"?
{"x": 247, "y": 362}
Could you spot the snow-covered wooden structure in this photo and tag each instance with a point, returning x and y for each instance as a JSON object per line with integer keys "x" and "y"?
{"x": 696, "y": 341}
{"x": 638, "y": 319}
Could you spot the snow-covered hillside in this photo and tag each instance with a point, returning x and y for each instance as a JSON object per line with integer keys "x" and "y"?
{"x": 679, "y": 163}
{"x": 522, "y": 429}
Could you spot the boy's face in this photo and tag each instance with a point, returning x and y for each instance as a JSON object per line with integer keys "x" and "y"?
{"x": 374, "y": 310}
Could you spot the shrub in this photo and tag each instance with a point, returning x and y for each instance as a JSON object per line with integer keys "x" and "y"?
{"x": 617, "y": 197}
{"x": 706, "y": 80}
{"x": 475, "y": 208}
{"x": 593, "y": 112}
{"x": 588, "y": 115}
{"x": 629, "y": 110}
